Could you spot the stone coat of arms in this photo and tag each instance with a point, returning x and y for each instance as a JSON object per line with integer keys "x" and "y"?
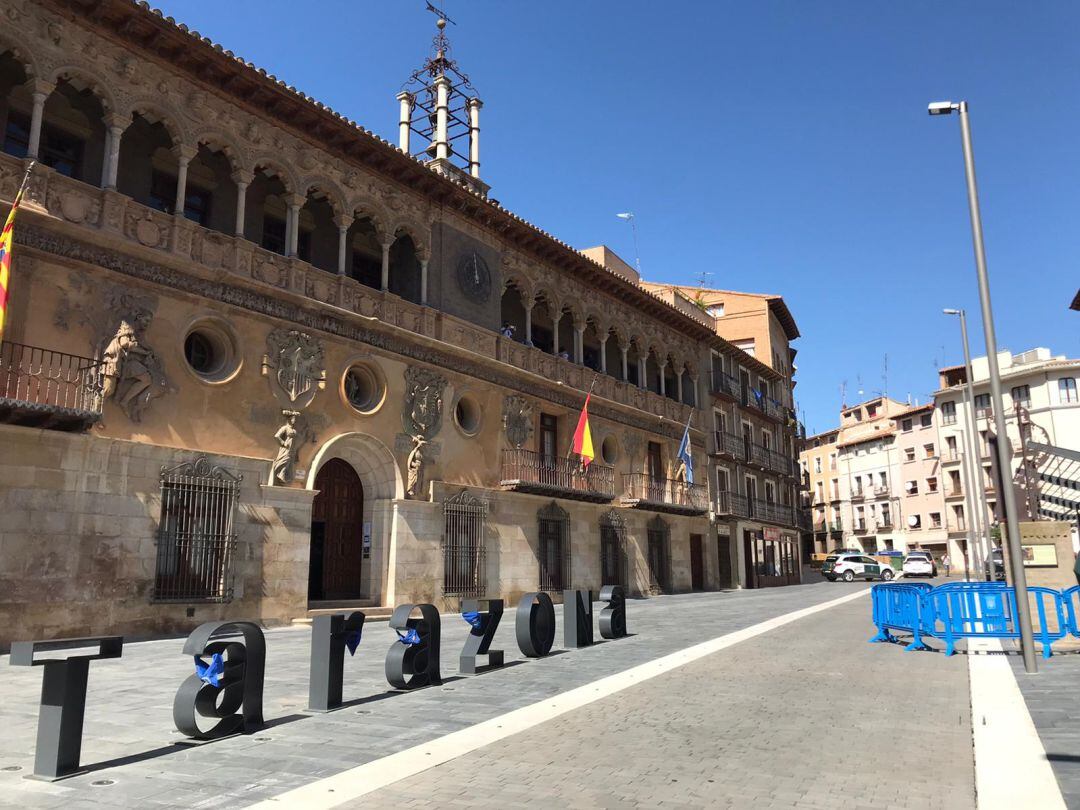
{"x": 517, "y": 420}
{"x": 421, "y": 415}
{"x": 296, "y": 359}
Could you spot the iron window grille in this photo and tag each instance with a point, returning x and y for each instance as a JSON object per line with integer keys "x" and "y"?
{"x": 464, "y": 554}
{"x": 554, "y": 548}
{"x": 614, "y": 568}
{"x": 659, "y": 558}
{"x": 196, "y": 535}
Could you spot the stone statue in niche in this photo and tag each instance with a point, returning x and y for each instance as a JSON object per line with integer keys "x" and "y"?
{"x": 421, "y": 415}
{"x": 132, "y": 375}
{"x": 415, "y": 468}
{"x": 297, "y": 360}
{"x": 290, "y": 436}
{"x": 517, "y": 420}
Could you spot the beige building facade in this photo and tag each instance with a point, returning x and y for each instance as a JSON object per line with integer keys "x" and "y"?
{"x": 260, "y": 362}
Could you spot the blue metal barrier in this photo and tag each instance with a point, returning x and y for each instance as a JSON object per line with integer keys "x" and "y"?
{"x": 959, "y": 610}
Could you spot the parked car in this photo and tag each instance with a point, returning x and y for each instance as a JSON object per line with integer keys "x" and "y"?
{"x": 846, "y": 551}
{"x": 997, "y": 560}
{"x": 851, "y": 566}
{"x": 920, "y": 564}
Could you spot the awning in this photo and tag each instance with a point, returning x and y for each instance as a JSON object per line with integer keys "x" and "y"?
{"x": 1057, "y": 473}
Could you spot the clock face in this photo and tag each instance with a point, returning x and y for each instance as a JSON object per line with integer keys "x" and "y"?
{"x": 474, "y": 278}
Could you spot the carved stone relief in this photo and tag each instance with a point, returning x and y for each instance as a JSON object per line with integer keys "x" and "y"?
{"x": 132, "y": 374}
{"x": 517, "y": 420}
{"x": 421, "y": 414}
{"x": 291, "y": 436}
{"x": 294, "y": 362}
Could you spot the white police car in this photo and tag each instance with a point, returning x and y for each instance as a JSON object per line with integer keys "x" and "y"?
{"x": 854, "y": 566}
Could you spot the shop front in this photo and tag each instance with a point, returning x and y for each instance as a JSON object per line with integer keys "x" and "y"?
{"x": 772, "y": 558}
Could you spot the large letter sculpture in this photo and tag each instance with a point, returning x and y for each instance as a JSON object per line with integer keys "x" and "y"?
{"x": 613, "y": 617}
{"x": 413, "y": 660}
{"x": 330, "y": 635}
{"x": 63, "y": 699}
{"x": 484, "y": 623}
{"x": 233, "y": 678}
{"x": 535, "y": 624}
{"x": 577, "y": 618}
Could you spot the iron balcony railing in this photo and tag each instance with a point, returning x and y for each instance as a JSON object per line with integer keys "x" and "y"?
{"x": 884, "y": 523}
{"x": 664, "y": 494}
{"x": 757, "y": 454}
{"x": 860, "y": 528}
{"x": 529, "y": 471}
{"x": 45, "y": 388}
{"x": 858, "y": 495}
{"x": 954, "y": 492}
{"x": 771, "y": 512}
{"x": 984, "y": 413}
{"x": 728, "y": 444}
{"x": 836, "y": 525}
{"x": 820, "y": 526}
{"x": 951, "y": 455}
{"x": 881, "y": 491}
{"x": 731, "y": 503}
{"x": 725, "y": 385}
{"x": 802, "y": 520}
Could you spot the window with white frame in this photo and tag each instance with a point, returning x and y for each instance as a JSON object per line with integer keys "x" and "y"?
{"x": 948, "y": 413}
{"x": 1067, "y": 390}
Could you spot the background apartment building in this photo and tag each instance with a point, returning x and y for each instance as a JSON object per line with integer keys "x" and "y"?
{"x": 1041, "y": 406}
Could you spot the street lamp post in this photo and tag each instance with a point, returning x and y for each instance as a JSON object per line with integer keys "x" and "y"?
{"x": 979, "y": 519}
{"x": 1016, "y": 560}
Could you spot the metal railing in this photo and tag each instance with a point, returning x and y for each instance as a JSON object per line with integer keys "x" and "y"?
{"x": 725, "y": 384}
{"x": 527, "y": 469}
{"x": 836, "y": 525}
{"x": 954, "y": 492}
{"x": 771, "y": 512}
{"x": 664, "y": 491}
{"x": 731, "y": 503}
{"x": 728, "y": 443}
{"x": 858, "y": 495}
{"x": 463, "y": 548}
{"x": 46, "y": 381}
{"x": 757, "y": 454}
{"x": 881, "y": 490}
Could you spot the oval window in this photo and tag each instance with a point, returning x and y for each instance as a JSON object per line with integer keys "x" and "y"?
{"x": 363, "y": 388}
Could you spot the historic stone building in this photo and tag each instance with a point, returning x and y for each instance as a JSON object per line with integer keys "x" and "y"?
{"x": 259, "y": 361}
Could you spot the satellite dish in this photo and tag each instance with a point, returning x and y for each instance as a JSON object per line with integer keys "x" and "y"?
{"x": 912, "y": 521}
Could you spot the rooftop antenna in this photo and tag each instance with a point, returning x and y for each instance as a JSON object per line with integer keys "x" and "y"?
{"x": 858, "y": 383}
{"x": 628, "y": 216}
{"x": 703, "y": 276}
{"x": 885, "y": 378}
{"x": 843, "y": 394}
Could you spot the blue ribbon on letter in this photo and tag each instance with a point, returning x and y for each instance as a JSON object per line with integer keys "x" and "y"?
{"x": 352, "y": 641}
{"x": 473, "y": 618}
{"x": 410, "y": 636}
{"x": 210, "y": 673}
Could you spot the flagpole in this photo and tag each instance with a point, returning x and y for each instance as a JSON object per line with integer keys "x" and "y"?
{"x": 7, "y": 240}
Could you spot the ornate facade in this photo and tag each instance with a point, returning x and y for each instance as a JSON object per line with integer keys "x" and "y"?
{"x": 267, "y": 347}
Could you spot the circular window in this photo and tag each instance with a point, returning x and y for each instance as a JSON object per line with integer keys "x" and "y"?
{"x": 467, "y": 414}
{"x": 364, "y": 388}
{"x": 609, "y": 450}
{"x": 210, "y": 351}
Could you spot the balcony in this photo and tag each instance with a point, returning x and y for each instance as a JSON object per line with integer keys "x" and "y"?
{"x": 802, "y": 520}
{"x": 984, "y": 413}
{"x": 728, "y": 444}
{"x": 731, "y": 503}
{"x": 757, "y": 455}
{"x": 664, "y": 495}
{"x": 881, "y": 492}
{"x": 771, "y": 512}
{"x": 536, "y": 474}
{"x": 861, "y": 528}
{"x": 725, "y": 385}
{"x": 47, "y": 389}
{"x": 820, "y": 526}
{"x": 836, "y": 526}
{"x": 885, "y": 524}
{"x": 954, "y": 492}
{"x": 858, "y": 495}
{"x": 950, "y": 456}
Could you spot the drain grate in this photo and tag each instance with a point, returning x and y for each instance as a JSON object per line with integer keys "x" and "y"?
{"x": 102, "y": 782}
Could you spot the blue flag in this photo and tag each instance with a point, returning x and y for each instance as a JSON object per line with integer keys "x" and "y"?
{"x": 210, "y": 673}
{"x": 352, "y": 641}
{"x": 472, "y": 618}
{"x": 410, "y": 636}
{"x": 684, "y": 454}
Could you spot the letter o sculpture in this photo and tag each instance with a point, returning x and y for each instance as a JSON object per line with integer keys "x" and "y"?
{"x": 535, "y": 624}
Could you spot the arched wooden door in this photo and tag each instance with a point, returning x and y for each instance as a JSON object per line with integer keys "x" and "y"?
{"x": 337, "y": 518}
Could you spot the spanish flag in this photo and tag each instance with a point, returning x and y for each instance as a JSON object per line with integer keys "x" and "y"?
{"x": 583, "y": 436}
{"x": 5, "y": 251}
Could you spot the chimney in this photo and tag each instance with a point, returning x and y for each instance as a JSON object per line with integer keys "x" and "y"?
{"x": 474, "y": 136}
{"x": 405, "y": 120}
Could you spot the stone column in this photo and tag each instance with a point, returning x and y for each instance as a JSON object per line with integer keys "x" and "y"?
{"x": 242, "y": 180}
{"x": 292, "y": 223}
{"x": 442, "y": 118}
{"x": 678, "y": 384}
{"x": 579, "y": 344}
{"x": 555, "y": 348}
{"x": 528, "y": 323}
{"x": 386, "y": 265}
{"x": 343, "y": 223}
{"x": 625, "y": 350}
{"x": 39, "y": 92}
{"x": 116, "y": 126}
{"x": 404, "y": 120}
{"x": 423, "y": 280}
{"x": 663, "y": 384}
{"x": 474, "y": 136}
{"x": 643, "y": 372}
{"x": 603, "y": 353}
{"x": 184, "y": 154}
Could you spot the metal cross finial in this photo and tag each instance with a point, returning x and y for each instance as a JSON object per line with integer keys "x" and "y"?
{"x": 439, "y": 13}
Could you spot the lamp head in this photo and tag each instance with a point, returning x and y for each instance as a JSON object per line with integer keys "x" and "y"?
{"x": 942, "y": 108}
{"x": 627, "y": 215}
{"x": 951, "y": 311}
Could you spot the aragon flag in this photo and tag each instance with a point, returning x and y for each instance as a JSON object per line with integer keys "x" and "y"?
{"x": 6, "y": 237}
{"x": 583, "y": 436}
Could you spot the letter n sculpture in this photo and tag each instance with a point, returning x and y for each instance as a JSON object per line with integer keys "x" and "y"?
{"x": 577, "y": 618}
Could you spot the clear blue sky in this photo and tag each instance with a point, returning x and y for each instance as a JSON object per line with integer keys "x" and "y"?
{"x": 783, "y": 147}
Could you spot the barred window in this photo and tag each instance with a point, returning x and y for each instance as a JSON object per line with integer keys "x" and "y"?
{"x": 464, "y": 555}
{"x": 659, "y": 555}
{"x": 196, "y": 534}
{"x": 613, "y": 560}
{"x": 553, "y": 551}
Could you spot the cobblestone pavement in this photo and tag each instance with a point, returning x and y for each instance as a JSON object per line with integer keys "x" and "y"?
{"x": 1053, "y": 700}
{"x": 801, "y": 701}
{"x": 808, "y": 716}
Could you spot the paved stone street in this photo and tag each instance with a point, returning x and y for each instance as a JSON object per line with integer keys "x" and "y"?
{"x": 807, "y": 714}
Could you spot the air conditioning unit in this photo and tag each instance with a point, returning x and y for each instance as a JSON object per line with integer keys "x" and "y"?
{"x": 913, "y": 521}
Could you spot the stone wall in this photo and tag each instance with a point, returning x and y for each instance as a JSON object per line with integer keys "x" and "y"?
{"x": 78, "y": 544}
